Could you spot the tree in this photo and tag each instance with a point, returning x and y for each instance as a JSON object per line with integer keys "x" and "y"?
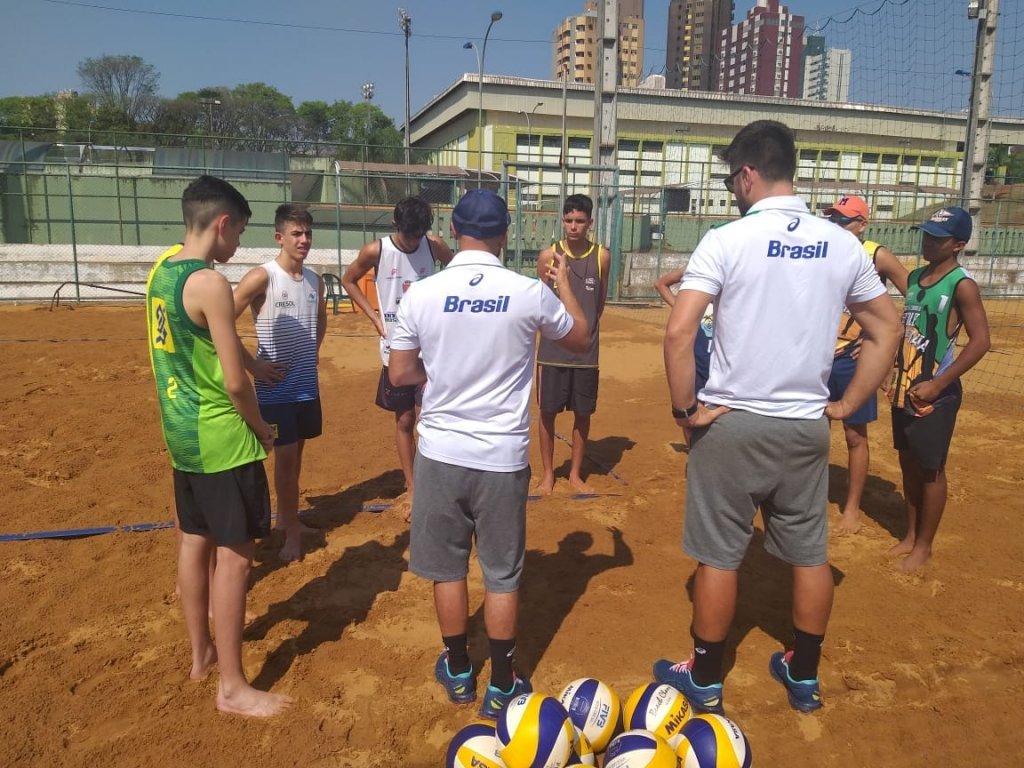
{"x": 124, "y": 84}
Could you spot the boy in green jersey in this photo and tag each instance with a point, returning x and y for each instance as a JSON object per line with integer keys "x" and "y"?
{"x": 942, "y": 298}
{"x": 215, "y": 436}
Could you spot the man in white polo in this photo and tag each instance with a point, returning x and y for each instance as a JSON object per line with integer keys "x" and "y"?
{"x": 779, "y": 278}
{"x": 469, "y": 333}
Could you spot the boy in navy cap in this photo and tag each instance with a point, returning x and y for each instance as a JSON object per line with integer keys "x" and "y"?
{"x": 942, "y": 298}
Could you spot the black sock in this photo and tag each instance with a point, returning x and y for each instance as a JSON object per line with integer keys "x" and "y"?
{"x": 458, "y": 656}
{"x": 502, "y": 652}
{"x": 707, "y": 662}
{"x": 803, "y": 664}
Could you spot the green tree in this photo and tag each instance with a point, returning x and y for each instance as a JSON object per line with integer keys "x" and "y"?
{"x": 123, "y": 85}
{"x": 28, "y": 112}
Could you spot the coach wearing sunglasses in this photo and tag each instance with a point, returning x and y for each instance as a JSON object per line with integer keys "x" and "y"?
{"x": 851, "y": 213}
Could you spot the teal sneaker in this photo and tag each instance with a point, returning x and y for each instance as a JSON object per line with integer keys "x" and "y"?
{"x": 461, "y": 688}
{"x": 804, "y": 695}
{"x": 702, "y": 698}
{"x": 495, "y": 699}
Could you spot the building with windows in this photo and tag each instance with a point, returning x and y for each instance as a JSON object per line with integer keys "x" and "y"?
{"x": 826, "y": 71}
{"x": 695, "y": 29}
{"x": 576, "y": 45}
{"x": 763, "y": 54}
{"x": 901, "y": 161}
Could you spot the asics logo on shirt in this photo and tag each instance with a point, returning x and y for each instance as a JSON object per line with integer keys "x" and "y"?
{"x": 477, "y": 278}
{"x": 776, "y": 250}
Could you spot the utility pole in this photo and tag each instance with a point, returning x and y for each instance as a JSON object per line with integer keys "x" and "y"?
{"x": 605, "y": 108}
{"x": 979, "y": 112}
{"x": 405, "y": 22}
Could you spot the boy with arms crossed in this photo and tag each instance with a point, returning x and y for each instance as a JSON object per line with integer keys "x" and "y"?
{"x": 215, "y": 436}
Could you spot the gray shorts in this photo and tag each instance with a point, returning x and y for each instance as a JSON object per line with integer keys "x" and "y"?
{"x": 743, "y": 461}
{"x": 452, "y": 506}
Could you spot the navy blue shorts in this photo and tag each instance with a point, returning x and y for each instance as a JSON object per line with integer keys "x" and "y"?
{"x": 292, "y": 422}
{"x": 397, "y": 399}
{"x": 231, "y": 507}
{"x": 702, "y": 360}
{"x": 843, "y": 368}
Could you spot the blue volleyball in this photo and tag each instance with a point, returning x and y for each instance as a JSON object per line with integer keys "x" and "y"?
{"x": 639, "y": 749}
{"x": 593, "y": 708}
{"x": 534, "y": 731}
{"x": 713, "y": 741}
{"x": 474, "y": 746}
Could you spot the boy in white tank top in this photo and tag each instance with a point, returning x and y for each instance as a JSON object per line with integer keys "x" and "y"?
{"x": 398, "y": 261}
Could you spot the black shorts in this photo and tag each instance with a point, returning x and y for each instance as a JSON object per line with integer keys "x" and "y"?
{"x": 926, "y": 438}
{"x": 566, "y": 389}
{"x": 397, "y": 399}
{"x": 231, "y": 507}
{"x": 293, "y": 421}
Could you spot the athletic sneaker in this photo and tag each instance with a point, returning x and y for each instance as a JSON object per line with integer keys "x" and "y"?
{"x": 804, "y": 695}
{"x": 461, "y": 688}
{"x": 495, "y": 699}
{"x": 702, "y": 698}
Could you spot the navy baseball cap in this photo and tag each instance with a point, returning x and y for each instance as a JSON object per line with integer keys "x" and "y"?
{"x": 480, "y": 214}
{"x": 949, "y": 222}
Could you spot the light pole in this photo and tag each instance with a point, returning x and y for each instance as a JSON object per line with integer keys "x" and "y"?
{"x": 405, "y": 22}
{"x": 368, "y": 95}
{"x": 529, "y": 132}
{"x": 480, "y": 58}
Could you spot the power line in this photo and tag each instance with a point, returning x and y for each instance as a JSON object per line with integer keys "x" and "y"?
{"x": 280, "y": 24}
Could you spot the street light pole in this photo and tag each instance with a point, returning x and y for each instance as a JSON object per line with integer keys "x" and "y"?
{"x": 481, "y": 57}
{"x": 368, "y": 95}
{"x": 529, "y": 131}
{"x": 405, "y": 22}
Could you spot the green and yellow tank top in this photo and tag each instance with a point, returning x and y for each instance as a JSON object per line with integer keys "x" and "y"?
{"x": 203, "y": 431}
{"x": 849, "y": 329}
{"x": 929, "y": 343}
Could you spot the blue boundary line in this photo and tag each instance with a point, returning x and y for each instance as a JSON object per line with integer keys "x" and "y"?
{"x": 599, "y": 465}
{"x": 78, "y": 533}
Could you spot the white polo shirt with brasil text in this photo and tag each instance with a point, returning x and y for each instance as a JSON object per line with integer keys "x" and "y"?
{"x": 475, "y": 325}
{"x": 780, "y": 277}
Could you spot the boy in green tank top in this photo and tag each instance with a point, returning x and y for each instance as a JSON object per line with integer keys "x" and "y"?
{"x": 215, "y": 436}
{"x": 942, "y": 298}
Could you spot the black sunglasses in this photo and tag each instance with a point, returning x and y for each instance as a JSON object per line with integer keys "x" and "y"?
{"x": 842, "y": 221}
{"x": 730, "y": 180}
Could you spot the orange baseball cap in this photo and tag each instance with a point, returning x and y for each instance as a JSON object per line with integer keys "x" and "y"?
{"x": 850, "y": 205}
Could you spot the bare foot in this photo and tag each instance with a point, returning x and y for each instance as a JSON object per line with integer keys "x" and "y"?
{"x": 916, "y": 558}
{"x": 849, "y": 523}
{"x": 905, "y": 547}
{"x": 292, "y": 549}
{"x": 252, "y": 703}
{"x": 581, "y": 487}
{"x": 303, "y": 528}
{"x": 201, "y": 668}
{"x": 545, "y": 486}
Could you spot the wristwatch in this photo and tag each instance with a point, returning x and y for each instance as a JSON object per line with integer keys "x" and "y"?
{"x": 684, "y": 413}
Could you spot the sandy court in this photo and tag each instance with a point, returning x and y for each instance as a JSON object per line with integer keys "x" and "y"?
{"x": 920, "y": 670}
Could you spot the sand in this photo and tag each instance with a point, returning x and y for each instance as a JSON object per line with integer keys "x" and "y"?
{"x": 917, "y": 670}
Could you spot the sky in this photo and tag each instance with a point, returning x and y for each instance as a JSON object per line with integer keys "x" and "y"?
{"x": 326, "y": 49}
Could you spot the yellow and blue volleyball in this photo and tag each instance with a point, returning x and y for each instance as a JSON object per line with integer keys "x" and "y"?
{"x": 475, "y": 745}
{"x": 639, "y": 749}
{"x": 593, "y": 708}
{"x": 582, "y": 751}
{"x": 713, "y": 741}
{"x": 657, "y": 708}
{"x": 534, "y": 731}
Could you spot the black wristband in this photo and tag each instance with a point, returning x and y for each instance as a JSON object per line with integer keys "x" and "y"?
{"x": 684, "y": 413}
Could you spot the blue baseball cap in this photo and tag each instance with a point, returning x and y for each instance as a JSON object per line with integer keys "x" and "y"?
{"x": 480, "y": 214}
{"x": 949, "y": 222}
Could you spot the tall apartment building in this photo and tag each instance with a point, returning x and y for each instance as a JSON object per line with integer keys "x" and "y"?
{"x": 826, "y": 71}
{"x": 763, "y": 54}
{"x": 575, "y": 44}
{"x": 694, "y": 30}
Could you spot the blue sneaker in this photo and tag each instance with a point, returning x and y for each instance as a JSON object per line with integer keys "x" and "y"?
{"x": 461, "y": 688}
{"x": 702, "y": 698}
{"x": 804, "y": 695}
{"x": 495, "y": 699}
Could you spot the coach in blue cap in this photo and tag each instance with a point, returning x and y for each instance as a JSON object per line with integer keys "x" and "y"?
{"x": 468, "y": 333}
{"x": 942, "y": 298}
